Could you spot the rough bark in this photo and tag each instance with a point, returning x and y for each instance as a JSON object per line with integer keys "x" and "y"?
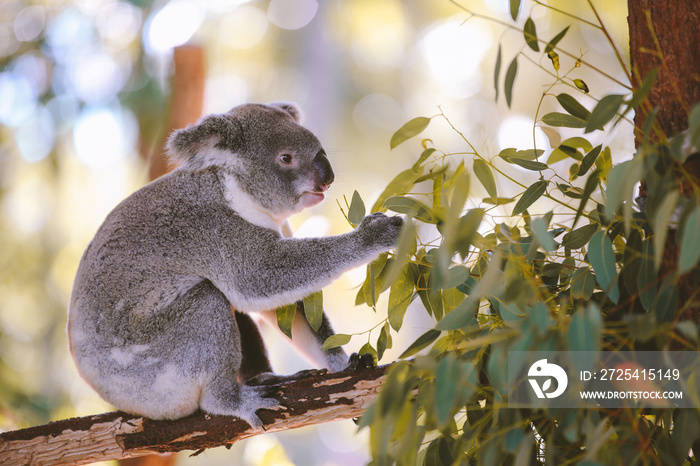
{"x": 664, "y": 35}
{"x": 313, "y": 400}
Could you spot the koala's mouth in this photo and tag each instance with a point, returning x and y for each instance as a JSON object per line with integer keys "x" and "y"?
{"x": 311, "y": 198}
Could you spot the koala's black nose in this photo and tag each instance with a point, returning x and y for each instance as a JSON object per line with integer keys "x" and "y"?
{"x": 323, "y": 173}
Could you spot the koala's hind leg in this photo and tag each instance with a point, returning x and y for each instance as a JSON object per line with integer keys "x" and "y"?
{"x": 210, "y": 347}
{"x": 254, "y": 358}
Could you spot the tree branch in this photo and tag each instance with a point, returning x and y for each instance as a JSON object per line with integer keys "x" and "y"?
{"x": 320, "y": 398}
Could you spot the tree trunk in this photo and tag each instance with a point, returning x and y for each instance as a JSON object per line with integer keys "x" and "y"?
{"x": 664, "y": 35}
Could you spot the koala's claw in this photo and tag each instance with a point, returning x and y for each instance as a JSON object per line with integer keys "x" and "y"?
{"x": 357, "y": 362}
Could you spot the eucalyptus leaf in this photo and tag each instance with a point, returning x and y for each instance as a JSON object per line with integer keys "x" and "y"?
{"x": 409, "y": 130}
{"x": 529, "y": 164}
{"x": 555, "y": 40}
{"x": 530, "y": 33}
{"x": 334, "y": 341}
{"x": 604, "y": 111}
{"x": 484, "y": 175}
{"x": 410, "y": 206}
{"x": 497, "y": 70}
{"x": 285, "y": 317}
{"x": 399, "y": 185}
{"x": 660, "y": 225}
{"x": 589, "y": 160}
{"x": 582, "y": 284}
{"x": 510, "y": 80}
{"x": 571, "y": 105}
{"x": 602, "y": 258}
{"x": 529, "y": 197}
{"x": 564, "y": 120}
{"x": 422, "y": 342}
{"x": 514, "y": 9}
{"x": 648, "y": 277}
{"x": 313, "y": 309}
{"x": 357, "y": 209}
{"x": 400, "y": 296}
{"x": 544, "y": 237}
{"x": 690, "y": 243}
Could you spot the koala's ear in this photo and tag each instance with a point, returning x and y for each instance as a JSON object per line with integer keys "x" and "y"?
{"x": 211, "y": 131}
{"x": 291, "y": 108}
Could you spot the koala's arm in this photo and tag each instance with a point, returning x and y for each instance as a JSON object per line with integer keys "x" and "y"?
{"x": 276, "y": 271}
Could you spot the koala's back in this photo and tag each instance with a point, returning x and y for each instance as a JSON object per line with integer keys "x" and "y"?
{"x": 141, "y": 295}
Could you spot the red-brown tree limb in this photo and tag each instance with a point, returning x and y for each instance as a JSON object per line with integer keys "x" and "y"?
{"x": 320, "y": 398}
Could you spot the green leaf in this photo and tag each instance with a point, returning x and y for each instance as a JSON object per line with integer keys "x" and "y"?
{"x": 409, "y": 130}
{"x": 447, "y": 379}
{"x": 694, "y": 125}
{"x": 604, "y": 111}
{"x": 602, "y": 258}
{"x": 642, "y": 91}
{"x": 647, "y": 278}
{"x": 399, "y": 185}
{"x": 334, "y": 341}
{"x": 285, "y": 317}
{"x": 585, "y": 333}
{"x": 467, "y": 227}
{"x": 497, "y": 70}
{"x": 412, "y": 207}
{"x": 572, "y": 106}
{"x": 400, "y": 296}
{"x": 384, "y": 341}
{"x": 530, "y": 33}
{"x": 660, "y": 225}
{"x": 357, "y": 209}
{"x": 582, "y": 284}
{"x": 555, "y": 40}
{"x": 422, "y": 342}
{"x": 544, "y": 237}
{"x": 529, "y": 197}
{"x": 483, "y": 173}
{"x": 570, "y": 149}
{"x": 620, "y": 188}
{"x": 579, "y": 237}
{"x": 589, "y": 160}
{"x": 591, "y": 184}
{"x": 313, "y": 309}
{"x": 423, "y": 157}
{"x": 461, "y": 316}
{"x": 528, "y": 164}
{"x": 690, "y": 243}
{"x": 510, "y": 80}
{"x": 514, "y": 9}
{"x": 498, "y": 200}
{"x": 564, "y": 120}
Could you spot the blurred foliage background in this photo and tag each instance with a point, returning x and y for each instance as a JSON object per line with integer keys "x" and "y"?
{"x": 84, "y": 98}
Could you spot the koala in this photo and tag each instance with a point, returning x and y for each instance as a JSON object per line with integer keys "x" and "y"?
{"x": 151, "y": 320}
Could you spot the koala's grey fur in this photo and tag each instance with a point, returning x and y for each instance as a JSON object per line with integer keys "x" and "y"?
{"x": 150, "y": 321}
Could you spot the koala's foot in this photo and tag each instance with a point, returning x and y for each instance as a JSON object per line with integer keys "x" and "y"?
{"x": 358, "y": 362}
{"x": 270, "y": 378}
{"x": 242, "y": 403}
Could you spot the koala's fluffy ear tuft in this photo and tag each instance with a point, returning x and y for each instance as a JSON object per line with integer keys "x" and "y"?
{"x": 291, "y": 108}
{"x": 211, "y": 131}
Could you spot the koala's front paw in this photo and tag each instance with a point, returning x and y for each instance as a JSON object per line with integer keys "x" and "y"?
{"x": 380, "y": 231}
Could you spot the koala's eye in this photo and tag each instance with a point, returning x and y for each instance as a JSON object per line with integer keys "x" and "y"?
{"x": 286, "y": 159}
